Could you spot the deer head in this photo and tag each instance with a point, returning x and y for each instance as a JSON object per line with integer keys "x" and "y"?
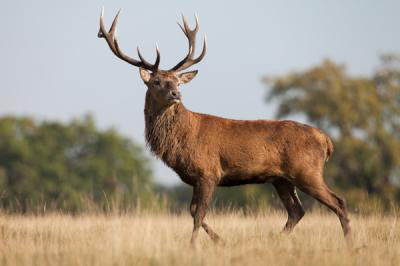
{"x": 163, "y": 85}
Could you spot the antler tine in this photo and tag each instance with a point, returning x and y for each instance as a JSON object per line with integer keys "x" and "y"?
{"x": 191, "y": 36}
{"x": 157, "y": 63}
{"x": 197, "y": 23}
{"x": 146, "y": 64}
{"x": 112, "y": 42}
{"x": 113, "y": 28}
{"x": 102, "y": 29}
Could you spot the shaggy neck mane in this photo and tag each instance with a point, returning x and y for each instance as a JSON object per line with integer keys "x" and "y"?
{"x": 167, "y": 130}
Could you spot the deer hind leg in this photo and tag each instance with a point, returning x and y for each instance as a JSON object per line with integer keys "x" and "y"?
{"x": 202, "y": 194}
{"x": 193, "y": 205}
{"x": 320, "y": 191}
{"x": 287, "y": 194}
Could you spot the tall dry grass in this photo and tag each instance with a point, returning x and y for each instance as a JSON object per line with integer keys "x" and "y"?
{"x": 163, "y": 239}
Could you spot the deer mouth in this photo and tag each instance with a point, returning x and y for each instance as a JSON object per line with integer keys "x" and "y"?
{"x": 173, "y": 101}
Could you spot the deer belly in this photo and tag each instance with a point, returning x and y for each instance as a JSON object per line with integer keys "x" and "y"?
{"x": 248, "y": 170}
{"x": 229, "y": 181}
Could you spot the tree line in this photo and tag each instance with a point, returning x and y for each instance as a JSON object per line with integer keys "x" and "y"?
{"x": 69, "y": 166}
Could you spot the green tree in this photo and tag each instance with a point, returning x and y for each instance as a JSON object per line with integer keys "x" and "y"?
{"x": 69, "y": 166}
{"x": 361, "y": 114}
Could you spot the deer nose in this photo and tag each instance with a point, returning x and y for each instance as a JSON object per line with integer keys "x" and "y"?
{"x": 175, "y": 94}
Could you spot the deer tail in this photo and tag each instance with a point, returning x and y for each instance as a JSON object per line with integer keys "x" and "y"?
{"x": 329, "y": 148}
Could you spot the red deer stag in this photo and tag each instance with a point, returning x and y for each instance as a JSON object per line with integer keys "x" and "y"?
{"x": 208, "y": 151}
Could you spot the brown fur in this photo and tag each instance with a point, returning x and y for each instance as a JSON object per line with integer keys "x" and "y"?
{"x": 248, "y": 152}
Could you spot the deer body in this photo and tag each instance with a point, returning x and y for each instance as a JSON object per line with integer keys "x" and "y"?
{"x": 233, "y": 152}
{"x": 208, "y": 151}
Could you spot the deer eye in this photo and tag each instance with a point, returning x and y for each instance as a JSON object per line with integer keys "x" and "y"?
{"x": 157, "y": 82}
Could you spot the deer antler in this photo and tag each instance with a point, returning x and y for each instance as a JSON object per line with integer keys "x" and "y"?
{"x": 111, "y": 38}
{"x": 188, "y": 61}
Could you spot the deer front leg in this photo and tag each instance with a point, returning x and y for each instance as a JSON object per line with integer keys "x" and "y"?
{"x": 202, "y": 194}
{"x": 193, "y": 205}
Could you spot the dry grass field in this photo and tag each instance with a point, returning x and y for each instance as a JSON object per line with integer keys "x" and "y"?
{"x": 163, "y": 239}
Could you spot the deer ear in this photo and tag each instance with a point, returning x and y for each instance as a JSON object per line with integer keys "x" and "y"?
{"x": 187, "y": 76}
{"x": 144, "y": 74}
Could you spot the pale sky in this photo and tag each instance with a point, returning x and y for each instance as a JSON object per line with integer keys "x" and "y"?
{"x": 53, "y": 66}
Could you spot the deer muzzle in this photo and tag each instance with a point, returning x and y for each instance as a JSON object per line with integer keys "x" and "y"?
{"x": 175, "y": 96}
